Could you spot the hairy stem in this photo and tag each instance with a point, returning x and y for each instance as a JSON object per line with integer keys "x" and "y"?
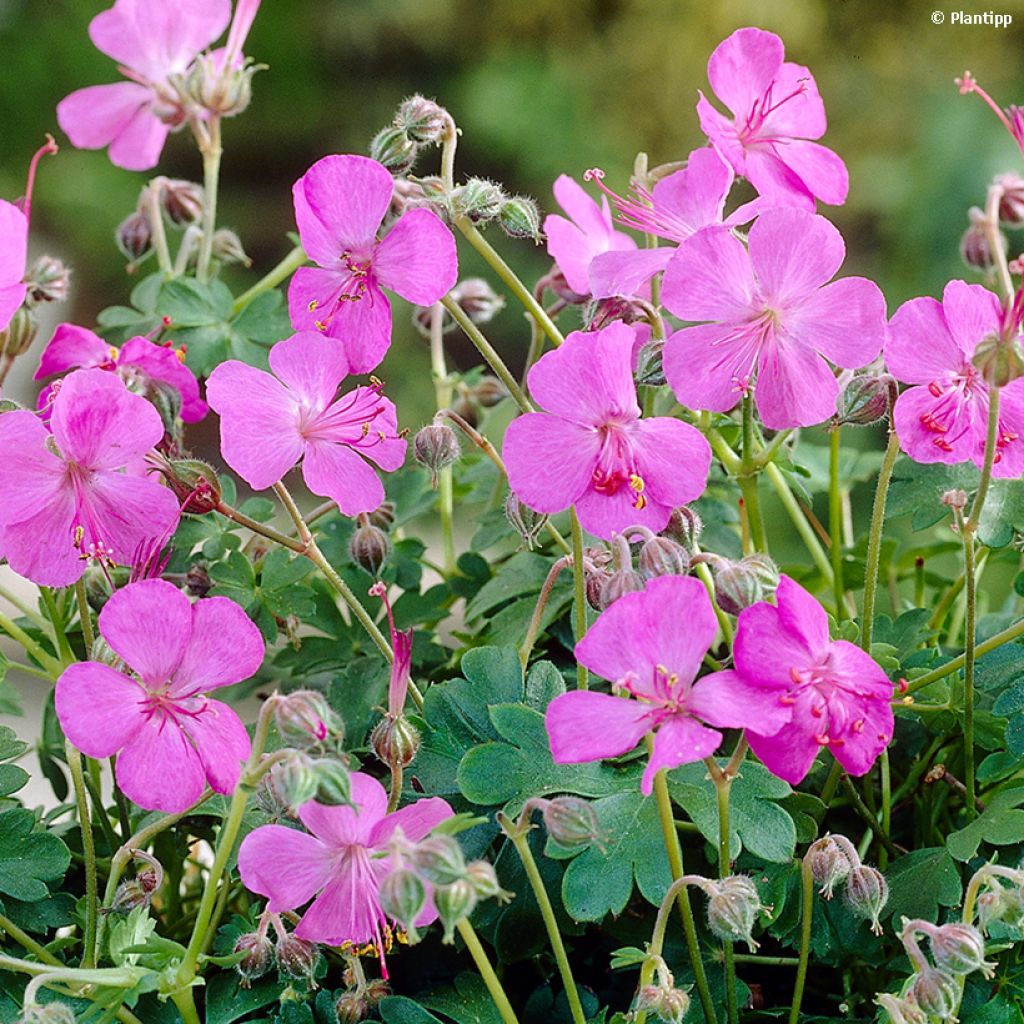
{"x": 835, "y": 522}
{"x": 89, "y": 850}
{"x": 806, "y": 919}
{"x": 875, "y": 538}
{"x": 211, "y": 150}
{"x": 580, "y": 594}
{"x": 443, "y": 399}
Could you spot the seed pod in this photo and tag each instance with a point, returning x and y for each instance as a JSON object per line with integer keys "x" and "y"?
{"x": 527, "y": 523}
{"x": 403, "y": 897}
{"x": 48, "y": 280}
{"x": 937, "y": 993}
{"x": 571, "y": 822}
{"x": 396, "y": 741}
{"x": 259, "y": 955}
{"x": 829, "y": 865}
{"x": 519, "y": 217}
{"x": 393, "y": 148}
{"x": 134, "y": 236}
{"x": 661, "y": 556}
{"x": 733, "y": 906}
{"x": 182, "y": 201}
{"x": 867, "y": 892}
{"x": 685, "y": 527}
{"x": 866, "y": 399}
{"x": 333, "y": 782}
{"x": 439, "y": 859}
{"x": 369, "y": 546}
{"x": 297, "y": 958}
{"x": 454, "y": 903}
{"x": 479, "y": 200}
{"x": 422, "y": 120}
{"x": 436, "y": 446}
{"x": 960, "y": 949}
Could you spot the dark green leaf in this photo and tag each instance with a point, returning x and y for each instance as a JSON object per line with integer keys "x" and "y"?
{"x": 28, "y": 859}
{"x": 920, "y": 882}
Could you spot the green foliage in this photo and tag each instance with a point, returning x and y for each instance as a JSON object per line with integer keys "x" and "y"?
{"x": 28, "y": 858}
{"x": 920, "y": 883}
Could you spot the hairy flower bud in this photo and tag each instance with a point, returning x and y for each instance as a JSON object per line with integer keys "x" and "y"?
{"x": 955, "y": 498}
{"x": 48, "y": 280}
{"x": 866, "y": 399}
{"x": 369, "y": 547}
{"x": 305, "y": 719}
{"x": 333, "y": 782}
{"x": 439, "y": 859}
{"x": 524, "y": 520}
{"x": 685, "y": 527}
{"x": 737, "y": 586}
{"x": 936, "y": 992}
{"x": 488, "y": 392}
{"x": 556, "y": 281}
{"x": 383, "y": 516}
{"x": 454, "y": 903}
{"x": 296, "y": 957}
{"x": 259, "y": 955}
{"x": 1011, "y": 201}
{"x": 622, "y": 581}
{"x": 733, "y": 906}
{"x": 47, "y": 1013}
{"x": 661, "y": 556}
{"x": 902, "y": 1011}
{"x": 352, "y": 1007}
{"x": 484, "y": 879}
{"x": 403, "y": 897}
{"x": 422, "y": 120}
{"x": 396, "y": 741}
{"x": 975, "y": 248}
{"x": 571, "y": 822}
{"x": 867, "y": 892}
{"x": 992, "y": 906}
{"x": 197, "y": 580}
{"x": 998, "y": 361}
{"x": 665, "y": 1002}
{"x": 436, "y": 446}
{"x": 288, "y": 785}
{"x": 228, "y": 248}
{"x": 479, "y": 200}
{"x": 829, "y": 865}
{"x": 226, "y": 91}
{"x": 128, "y": 896}
{"x": 393, "y": 148}
{"x": 959, "y": 948}
{"x": 519, "y": 217}
{"x": 134, "y": 236}
{"x": 17, "y": 337}
{"x": 183, "y": 202}
{"x": 194, "y": 483}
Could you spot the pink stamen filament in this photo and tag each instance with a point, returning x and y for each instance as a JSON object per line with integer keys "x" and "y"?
{"x": 617, "y": 465}
{"x": 349, "y": 288}
{"x": 762, "y": 109}
{"x": 48, "y": 148}
{"x": 968, "y": 84}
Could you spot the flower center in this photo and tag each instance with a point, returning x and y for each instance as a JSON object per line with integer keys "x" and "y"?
{"x": 639, "y": 211}
{"x": 663, "y": 692}
{"x": 349, "y": 420}
{"x": 961, "y": 397}
{"x": 617, "y": 465}
{"x": 761, "y": 110}
{"x": 350, "y": 286}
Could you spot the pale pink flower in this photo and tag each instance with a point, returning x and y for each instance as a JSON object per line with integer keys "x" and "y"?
{"x": 591, "y": 449}
{"x": 340, "y": 203}
{"x": 776, "y": 110}
{"x": 342, "y": 863}
{"x": 772, "y": 315}
{"x": 650, "y": 645}
{"x": 66, "y": 497}
{"x": 944, "y": 417}
{"x": 140, "y": 363}
{"x": 170, "y": 739}
{"x": 151, "y": 40}
{"x": 269, "y": 421}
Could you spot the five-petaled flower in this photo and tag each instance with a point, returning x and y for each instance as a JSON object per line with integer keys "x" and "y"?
{"x": 270, "y": 421}
{"x": 944, "y": 416}
{"x": 66, "y": 496}
{"x": 650, "y": 645}
{"x": 776, "y": 111}
{"x": 771, "y": 314}
{"x": 591, "y": 449}
{"x": 340, "y": 203}
{"x": 341, "y": 861}
{"x": 170, "y": 739}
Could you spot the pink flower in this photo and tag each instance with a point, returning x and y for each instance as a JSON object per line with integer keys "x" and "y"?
{"x": 65, "y": 497}
{"x": 340, "y": 203}
{"x": 13, "y": 253}
{"x": 771, "y": 314}
{"x": 677, "y": 207}
{"x": 342, "y": 863}
{"x": 775, "y": 109}
{"x": 587, "y": 232}
{"x": 591, "y": 449}
{"x": 837, "y": 695}
{"x": 944, "y": 417}
{"x": 650, "y": 644}
{"x": 170, "y": 739}
{"x": 270, "y": 421}
{"x": 139, "y": 362}
{"x": 151, "y": 40}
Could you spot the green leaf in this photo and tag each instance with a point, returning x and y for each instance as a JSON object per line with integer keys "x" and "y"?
{"x": 402, "y": 1010}
{"x": 1001, "y": 824}
{"x": 922, "y": 881}
{"x": 10, "y": 746}
{"x": 227, "y": 1001}
{"x": 467, "y": 1003}
{"x": 28, "y": 859}
{"x": 40, "y": 916}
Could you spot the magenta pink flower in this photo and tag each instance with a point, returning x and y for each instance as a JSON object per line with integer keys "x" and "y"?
{"x": 772, "y": 314}
{"x": 342, "y": 863}
{"x": 401, "y": 664}
{"x": 340, "y": 203}
{"x": 837, "y": 696}
{"x": 573, "y": 242}
{"x": 151, "y": 40}
{"x": 775, "y": 109}
{"x": 170, "y": 739}
{"x": 13, "y": 253}
{"x": 944, "y": 417}
{"x": 65, "y": 497}
{"x": 591, "y": 449}
{"x": 140, "y": 363}
{"x": 676, "y": 208}
{"x": 650, "y": 644}
{"x": 270, "y": 421}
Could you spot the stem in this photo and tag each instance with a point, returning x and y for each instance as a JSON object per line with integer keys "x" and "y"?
{"x": 47, "y": 661}
{"x": 443, "y": 398}
{"x": 955, "y": 664}
{"x": 768, "y": 453}
{"x": 508, "y": 275}
{"x": 970, "y": 631}
{"x": 487, "y": 350}
{"x": 723, "y": 784}
{"x": 155, "y": 217}
{"x": 29, "y": 613}
{"x": 991, "y": 447}
{"x": 186, "y": 1004}
{"x": 869, "y": 819}
{"x": 261, "y": 528}
{"x": 835, "y": 522}
{"x": 89, "y": 849}
{"x": 806, "y": 919}
{"x": 27, "y": 942}
{"x": 748, "y": 478}
{"x": 396, "y": 785}
{"x": 59, "y": 631}
{"x": 580, "y": 598}
{"x": 875, "y": 538}
{"x": 538, "y": 611}
{"x": 883, "y": 854}
{"x": 295, "y": 259}
{"x": 483, "y": 965}
{"x": 799, "y": 520}
{"x": 84, "y": 616}
{"x": 211, "y": 150}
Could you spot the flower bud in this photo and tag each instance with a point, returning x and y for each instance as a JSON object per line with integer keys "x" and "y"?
{"x": 48, "y": 280}
{"x": 992, "y": 906}
{"x": 866, "y": 399}
{"x": 959, "y": 948}
{"x": 352, "y": 1007}
{"x": 975, "y": 249}
{"x": 376, "y": 990}
{"x": 479, "y": 301}
{"x": 737, "y": 586}
{"x": 902, "y": 1011}
{"x": 733, "y": 906}
{"x": 436, "y": 446}
{"x": 403, "y": 897}
{"x": 226, "y": 91}
{"x": 467, "y": 410}
{"x": 937, "y": 993}
{"x": 259, "y": 955}
{"x": 383, "y": 516}
{"x": 484, "y": 879}
{"x": 571, "y": 822}
{"x": 396, "y": 741}
{"x": 369, "y": 547}
{"x": 17, "y": 337}
{"x": 288, "y": 785}
{"x": 133, "y": 893}
{"x": 454, "y": 903}
{"x": 227, "y": 247}
{"x": 134, "y": 236}
{"x": 519, "y": 217}
{"x": 956, "y": 499}
{"x": 439, "y": 860}
{"x": 197, "y": 580}
{"x": 649, "y": 369}
{"x": 102, "y": 652}
{"x": 393, "y": 148}
{"x": 1011, "y": 202}
{"x": 661, "y": 556}
{"x": 296, "y": 957}
{"x": 867, "y": 892}
{"x": 666, "y": 1002}
{"x": 183, "y": 202}
{"x": 998, "y": 361}
{"x": 304, "y": 718}
{"x": 333, "y": 782}
{"x": 47, "y": 1013}
{"x": 422, "y": 120}
{"x": 194, "y": 483}
{"x": 829, "y": 865}
{"x": 623, "y": 581}
{"x": 524, "y": 520}
{"x": 685, "y": 527}
{"x": 488, "y": 392}
{"x": 479, "y": 200}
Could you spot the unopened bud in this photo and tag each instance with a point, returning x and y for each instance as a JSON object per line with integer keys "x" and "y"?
{"x": 955, "y": 499}
{"x": 737, "y": 586}
{"x": 227, "y": 247}
{"x": 998, "y": 361}
{"x": 102, "y": 652}
{"x": 305, "y": 719}
{"x": 130, "y": 895}
{"x": 733, "y": 906}
{"x": 867, "y": 893}
{"x": 422, "y": 120}
{"x": 383, "y": 516}
{"x": 666, "y": 1002}
{"x": 489, "y": 391}
{"x": 439, "y": 859}
{"x": 454, "y": 903}
{"x": 519, "y": 217}
{"x": 197, "y": 580}
{"x": 352, "y": 1007}
{"x": 369, "y": 547}
{"x": 194, "y": 484}
{"x": 975, "y": 248}
{"x": 48, "y": 280}
{"x": 557, "y": 283}
{"x": 259, "y": 955}
{"x": 479, "y": 200}
{"x": 436, "y": 446}
{"x": 661, "y": 556}
{"x": 524, "y": 520}
{"x": 571, "y": 822}
{"x": 396, "y": 741}
{"x": 478, "y": 300}
{"x": 182, "y": 201}
{"x": 134, "y": 236}
{"x": 333, "y": 782}
{"x": 1011, "y": 201}
{"x": 288, "y": 785}
{"x": 467, "y": 410}
{"x": 402, "y": 898}
{"x": 992, "y": 905}
{"x": 685, "y": 527}
{"x": 393, "y": 148}
{"x": 297, "y": 958}
{"x": 959, "y": 948}
{"x": 17, "y": 337}
{"x": 649, "y": 369}
{"x": 484, "y": 879}
{"x": 226, "y": 91}
{"x": 902, "y": 1011}
{"x": 618, "y": 583}
{"x": 829, "y": 865}
{"x": 936, "y": 992}
{"x": 866, "y": 399}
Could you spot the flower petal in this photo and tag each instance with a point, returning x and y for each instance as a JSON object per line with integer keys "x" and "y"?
{"x": 919, "y": 347}
{"x": 730, "y": 700}
{"x": 93, "y": 117}
{"x": 162, "y": 365}
{"x": 13, "y": 252}
{"x": 802, "y": 615}
{"x": 788, "y": 753}
{"x": 416, "y": 821}
{"x": 673, "y": 458}
{"x": 795, "y": 386}
{"x": 593, "y": 219}
{"x": 311, "y": 366}
{"x": 72, "y": 347}
{"x": 845, "y": 321}
{"x": 159, "y": 769}
{"x": 604, "y": 514}
{"x": 337, "y": 472}
{"x": 11, "y": 298}
{"x": 743, "y": 66}
{"x": 793, "y": 253}
{"x": 679, "y": 740}
{"x": 343, "y": 826}
{"x": 972, "y": 313}
{"x": 707, "y": 366}
{"x": 709, "y": 278}
{"x": 417, "y": 258}
{"x": 694, "y": 197}
{"x": 41, "y": 547}
{"x": 584, "y": 726}
{"x": 963, "y": 439}
{"x": 284, "y": 864}
{"x": 224, "y": 647}
{"x": 139, "y": 144}
{"x": 797, "y": 108}
{"x": 821, "y": 171}
{"x": 624, "y": 273}
{"x": 98, "y": 708}
{"x": 348, "y": 910}
{"x": 220, "y": 740}
{"x": 348, "y": 196}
